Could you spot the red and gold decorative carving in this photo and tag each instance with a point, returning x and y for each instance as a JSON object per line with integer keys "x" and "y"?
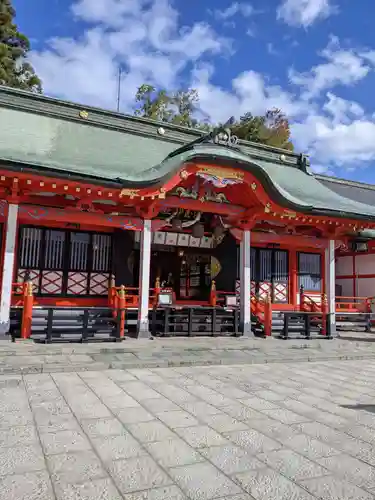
{"x": 32, "y": 214}
{"x": 220, "y": 177}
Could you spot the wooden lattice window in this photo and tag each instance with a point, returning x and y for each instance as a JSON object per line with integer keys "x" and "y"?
{"x": 310, "y": 271}
{"x": 65, "y": 262}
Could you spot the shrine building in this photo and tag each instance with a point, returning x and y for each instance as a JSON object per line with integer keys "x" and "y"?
{"x": 96, "y": 203}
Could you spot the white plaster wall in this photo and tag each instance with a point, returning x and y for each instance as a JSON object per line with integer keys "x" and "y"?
{"x": 366, "y": 287}
{"x": 365, "y": 264}
{"x": 344, "y": 265}
{"x": 347, "y": 287}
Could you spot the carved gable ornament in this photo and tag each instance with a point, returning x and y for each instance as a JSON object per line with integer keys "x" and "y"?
{"x": 220, "y": 177}
{"x": 224, "y": 137}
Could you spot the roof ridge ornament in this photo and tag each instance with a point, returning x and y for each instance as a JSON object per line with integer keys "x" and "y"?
{"x": 225, "y": 138}
{"x": 221, "y": 135}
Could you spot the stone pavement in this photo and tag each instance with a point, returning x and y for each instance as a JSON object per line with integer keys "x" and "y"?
{"x": 280, "y": 431}
{"x": 28, "y": 357}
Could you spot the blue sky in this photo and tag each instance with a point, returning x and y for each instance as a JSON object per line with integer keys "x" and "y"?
{"x": 315, "y": 59}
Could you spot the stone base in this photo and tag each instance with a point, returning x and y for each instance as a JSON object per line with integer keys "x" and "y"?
{"x": 4, "y": 327}
{"x": 143, "y": 331}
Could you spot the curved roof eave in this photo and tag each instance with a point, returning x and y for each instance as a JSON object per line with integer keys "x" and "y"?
{"x": 289, "y": 186}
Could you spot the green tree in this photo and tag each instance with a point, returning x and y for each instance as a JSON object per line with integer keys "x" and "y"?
{"x": 15, "y": 70}
{"x": 179, "y": 107}
{"x": 271, "y": 129}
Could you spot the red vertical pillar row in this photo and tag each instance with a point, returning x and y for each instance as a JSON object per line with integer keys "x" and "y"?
{"x": 121, "y": 304}
{"x": 323, "y": 288}
{"x": 354, "y": 276}
{"x": 27, "y": 312}
{"x": 293, "y": 277}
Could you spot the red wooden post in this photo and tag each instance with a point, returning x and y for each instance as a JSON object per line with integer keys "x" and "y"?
{"x": 213, "y": 296}
{"x": 293, "y": 276}
{"x": 324, "y": 313}
{"x": 301, "y": 299}
{"x": 121, "y": 303}
{"x": 27, "y": 312}
{"x": 110, "y": 292}
{"x": 157, "y": 291}
{"x": 268, "y": 316}
{"x": 114, "y": 302}
{"x": 368, "y": 305}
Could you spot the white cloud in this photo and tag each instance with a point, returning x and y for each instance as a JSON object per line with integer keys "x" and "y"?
{"x": 342, "y": 67}
{"x": 305, "y": 12}
{"x": 143, "y": 36}
{"x": 342, "y": 110}
{"x": 109, "y": 12}
{"x": 369, "y": 56}
{"x": 249, "y": 92}
{"x": 342, "y": 144}
{"x": 242, "y": 8}
{"x": 271, "y": 49}
{"x": 146, "y": 38}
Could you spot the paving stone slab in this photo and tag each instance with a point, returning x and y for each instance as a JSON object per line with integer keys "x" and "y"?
{"x": 351, "y": 469}
{"x": 159, "y": 404}
{"x": 29, "y": 486}
{"x": 201, "y": 436}
{"x": 138, "y": 474}
{"x": 102, "y": 489}
{"x": 148, "y": 432}
{"x": 102, "y": 427}
{"x": 15, "y": 418}
{"x": 133, "y": 415}
{"x": 253, "y": 441}
{"x": 56, "y": 423}
{"x": 18, "y": 436}
{"x": 332, "y": 488}
{"x": 173, "y": 453}
{"x": 164, "y": 493}
{"x": 176, "y": 419}
{"x": 292, "y": 464}
{"x": 20, "y": 459}
{"x": 203, "y": 481}
{"x": 221, "y": 423}
{"x": 64, "y": 442}
{"x": 71, "y": 468}
{"x": 309, "y": 447}
{"x": 117, "y": 447}
{"x": 266, "y": 484}
{"x": 231, "y": 459}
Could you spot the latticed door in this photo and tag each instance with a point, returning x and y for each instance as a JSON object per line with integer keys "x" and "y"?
{"x": 269, "y": 274}
{"x": 63, "y": 262}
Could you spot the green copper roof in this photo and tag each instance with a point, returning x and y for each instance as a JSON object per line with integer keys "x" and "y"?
{"x": 104, "y": 144}
{"x": 51, "y": 135}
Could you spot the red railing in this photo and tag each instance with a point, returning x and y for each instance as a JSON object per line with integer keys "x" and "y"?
{"x": 353, "y": 304}
{"x": 261, "y": 308}
{"x": 131, "y": 296}
{"x": 309, "y": 303}
{"x": 26, "y": 299}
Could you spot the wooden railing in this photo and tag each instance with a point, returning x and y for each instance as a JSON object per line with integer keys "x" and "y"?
{"x": 310, "y": 303}
{"x": 25, "y": 293}
{"x": 131, "y": 296}
{"x": 353, "y": 304}
{"x": 261, "y": 308}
